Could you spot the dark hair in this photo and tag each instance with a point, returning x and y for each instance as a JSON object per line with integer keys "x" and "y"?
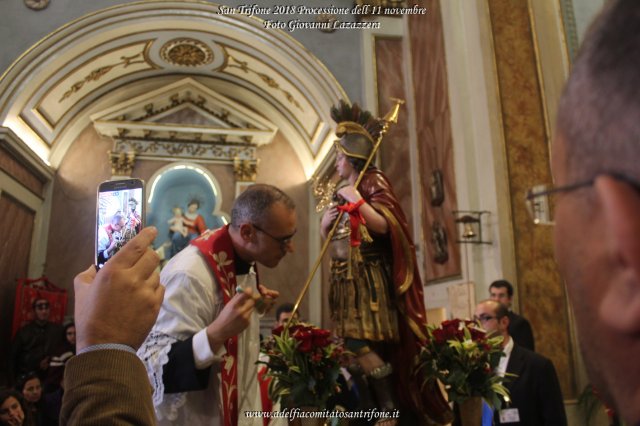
{"x": 254, "y": 203}
{"x": 503, "y": 284}
{"x": 599, "y": 108}
{"x": 6, "y": 393}
{"x": 22, "y": 380}
{"x": 284, "y": 308}
{"x": 194, "y": 201}
{"x": 501, "y": 310}
{"x": 116, "y": 218}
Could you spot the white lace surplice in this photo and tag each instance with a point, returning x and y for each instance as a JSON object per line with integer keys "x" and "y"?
{"x": 191, "y": 301}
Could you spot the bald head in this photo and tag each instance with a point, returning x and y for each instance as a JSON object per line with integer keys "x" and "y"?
{"x": 492, "y": 316}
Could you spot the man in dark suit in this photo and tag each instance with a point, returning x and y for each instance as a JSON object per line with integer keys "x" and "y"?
{"x": 519, "y": 328}
{"x": 535, "y": 395}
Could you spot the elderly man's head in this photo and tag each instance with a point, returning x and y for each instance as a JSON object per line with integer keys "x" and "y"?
{"x": 493, "y": 317}
{"x": 597, "y": 232}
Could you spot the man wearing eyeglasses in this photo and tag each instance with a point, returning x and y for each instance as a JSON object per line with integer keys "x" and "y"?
{"x": 205, "y": 342}
{"x": 35, "y": 341}
{"x": 595, "y": 164}
{"x": 535, "y": 395}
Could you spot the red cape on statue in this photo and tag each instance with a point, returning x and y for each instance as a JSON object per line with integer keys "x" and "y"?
{"x": 412, "y": 320}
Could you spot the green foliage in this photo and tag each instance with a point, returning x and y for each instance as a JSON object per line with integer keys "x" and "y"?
{"x": 463, "y": 358}
{"x": 304, "y": 364}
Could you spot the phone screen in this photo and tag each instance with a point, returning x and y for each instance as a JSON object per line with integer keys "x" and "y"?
{"x": 120, "y": 216}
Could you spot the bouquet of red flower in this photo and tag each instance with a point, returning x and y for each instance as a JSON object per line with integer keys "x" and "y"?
{"x": 304, "y": 364}
{"x": 461, "y": 355}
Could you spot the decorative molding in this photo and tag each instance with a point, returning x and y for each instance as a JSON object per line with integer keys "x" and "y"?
{"x": 122, "y": 162}
{"x": 186, "y": 120}
{"x": 245, "y": 170}
{"x": 176, "y": 100}
{"x": 195, "y": 151}
{"x": 98, "y": 73}
{"x": 271, "y": 82}
{"x": 186, "y": 52}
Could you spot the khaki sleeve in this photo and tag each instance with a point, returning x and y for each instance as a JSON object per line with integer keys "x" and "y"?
{"x": 106, "y": 387}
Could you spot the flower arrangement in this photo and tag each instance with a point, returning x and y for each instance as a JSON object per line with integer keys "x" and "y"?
{"x": 461, "y": 355}
{"x": 304, "y": 364}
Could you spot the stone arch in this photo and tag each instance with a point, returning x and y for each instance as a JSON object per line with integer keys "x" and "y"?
{"x": 48, "y": 94}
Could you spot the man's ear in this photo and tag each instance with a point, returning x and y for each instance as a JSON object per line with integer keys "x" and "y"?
{"x": 505, "y": 321}
{"x": 247, "y": 232}
{"x": 620, "y": 305}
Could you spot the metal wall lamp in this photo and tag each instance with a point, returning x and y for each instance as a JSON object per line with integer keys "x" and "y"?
{"x": 470, "y": 226}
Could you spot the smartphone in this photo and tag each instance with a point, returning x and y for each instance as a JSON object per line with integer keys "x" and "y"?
{"x": 120, "y": 213}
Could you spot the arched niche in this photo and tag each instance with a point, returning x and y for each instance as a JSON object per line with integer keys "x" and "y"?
{"x": 175, "y": 185}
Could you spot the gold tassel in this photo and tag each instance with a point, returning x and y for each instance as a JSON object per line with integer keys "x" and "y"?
{"x": 364, "y": 234}
{"x": 349, "y": 267}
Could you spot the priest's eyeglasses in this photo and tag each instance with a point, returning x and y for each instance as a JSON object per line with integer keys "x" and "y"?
{"x": 283, "y": 241}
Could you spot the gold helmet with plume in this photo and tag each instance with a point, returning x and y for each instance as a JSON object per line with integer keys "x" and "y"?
{"x": 357, "y": 130}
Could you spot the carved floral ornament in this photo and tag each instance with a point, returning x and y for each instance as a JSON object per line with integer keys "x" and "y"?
{"x": 122, "y": 162}
{"x": 186, "y": 52}
{"x": 245, "y": 170}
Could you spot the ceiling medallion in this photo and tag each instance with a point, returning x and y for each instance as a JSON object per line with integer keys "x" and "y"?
{"x": 36, "y": 4}
{"x": 186, "y": 52}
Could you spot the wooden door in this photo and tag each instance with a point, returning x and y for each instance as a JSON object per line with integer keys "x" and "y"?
{"x": 16, "y": 229}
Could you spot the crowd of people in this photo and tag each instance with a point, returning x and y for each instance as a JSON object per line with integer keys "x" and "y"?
{"x": 39, "y": 353}
{"x": 188, "y": 353}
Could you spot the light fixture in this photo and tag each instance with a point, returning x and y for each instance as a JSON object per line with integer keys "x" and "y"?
{"x": 471, "y": 225}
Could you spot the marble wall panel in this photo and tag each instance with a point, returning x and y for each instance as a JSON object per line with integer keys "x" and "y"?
{"x": 540, "y": 288}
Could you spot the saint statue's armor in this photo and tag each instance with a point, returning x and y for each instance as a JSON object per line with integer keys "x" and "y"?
{"x": 360, "y": 294}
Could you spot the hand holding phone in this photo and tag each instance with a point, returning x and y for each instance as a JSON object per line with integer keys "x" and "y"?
{"x": 120, "y": 213}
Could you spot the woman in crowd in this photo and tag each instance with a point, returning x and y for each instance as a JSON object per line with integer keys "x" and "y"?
{"x": 31, "y": 388}
{"x": 12, "y": 409}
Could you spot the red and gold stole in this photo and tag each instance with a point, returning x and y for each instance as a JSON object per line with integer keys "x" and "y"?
{"x": 218, "y": 252}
